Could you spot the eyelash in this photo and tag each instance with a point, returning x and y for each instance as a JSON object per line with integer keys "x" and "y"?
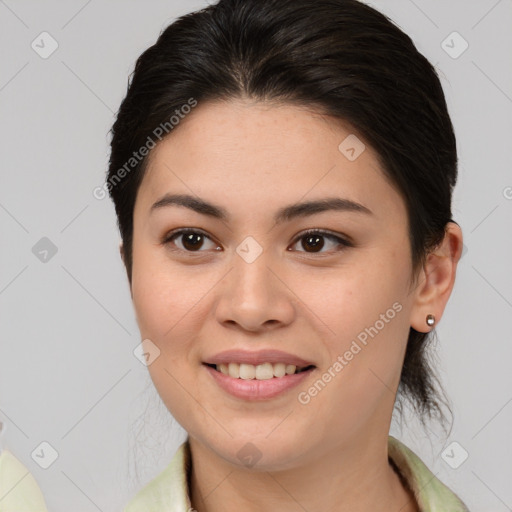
{"x": 310, "y": 232}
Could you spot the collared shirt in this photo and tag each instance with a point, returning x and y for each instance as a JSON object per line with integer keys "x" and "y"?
{"x": 169, "y": 491}
{"x": 19, "y": 491}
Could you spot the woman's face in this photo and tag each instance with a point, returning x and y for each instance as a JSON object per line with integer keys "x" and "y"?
{"x": 251, "y": 283}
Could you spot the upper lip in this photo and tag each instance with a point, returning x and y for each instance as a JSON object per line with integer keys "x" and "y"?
{"x": 257, "y": 357}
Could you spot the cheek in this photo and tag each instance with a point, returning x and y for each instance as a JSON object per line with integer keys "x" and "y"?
{"x": 166, "y": 301}
{"x": 156, "y": 296}
{"x": 167, "y": 296}
{"x": 366, "y": 311}
{"x": 352, "y": 300}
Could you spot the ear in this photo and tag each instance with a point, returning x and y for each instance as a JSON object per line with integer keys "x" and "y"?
{"x": 436, "y": 279}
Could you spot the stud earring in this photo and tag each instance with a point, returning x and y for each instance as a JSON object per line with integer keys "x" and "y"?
{"x": 431, "y": 320}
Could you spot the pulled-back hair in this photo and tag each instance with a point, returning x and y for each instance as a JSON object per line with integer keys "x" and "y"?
{"x": 336, "y": 57}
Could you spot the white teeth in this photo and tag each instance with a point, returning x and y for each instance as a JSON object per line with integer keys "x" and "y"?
{"x": 247, "y": 371}
{"x": 234, "y": 370}
{"x": 263, "y": 371}
{"x": 290, "y": 368}
{"x": 279, "y": 369}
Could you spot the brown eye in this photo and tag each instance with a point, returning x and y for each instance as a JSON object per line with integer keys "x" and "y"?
{"x": 192, "y": 241}
{"x": 313, "y": 241}
{"x": 189, "y": 240}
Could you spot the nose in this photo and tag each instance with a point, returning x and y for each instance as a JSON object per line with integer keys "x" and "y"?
{"x": 254, "y": 296}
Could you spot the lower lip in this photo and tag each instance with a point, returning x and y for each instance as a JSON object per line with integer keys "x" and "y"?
{"x": 252, "y": 389}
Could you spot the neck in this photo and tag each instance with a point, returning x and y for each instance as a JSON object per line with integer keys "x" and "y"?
{"x": 345, "y": 479}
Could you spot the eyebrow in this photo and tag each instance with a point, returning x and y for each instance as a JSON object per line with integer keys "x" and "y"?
{"x": 284, "y": 214}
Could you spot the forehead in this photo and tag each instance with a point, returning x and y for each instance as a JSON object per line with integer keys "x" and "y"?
{"x": 258, "y": 155}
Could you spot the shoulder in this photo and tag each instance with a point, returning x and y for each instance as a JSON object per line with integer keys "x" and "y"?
{"x": 167, "y": 492}
{"x": 18, "y": 488}
{"x": 431, "y": 493}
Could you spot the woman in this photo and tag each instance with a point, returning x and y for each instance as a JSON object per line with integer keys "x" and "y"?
{"x": 282, "y": 173}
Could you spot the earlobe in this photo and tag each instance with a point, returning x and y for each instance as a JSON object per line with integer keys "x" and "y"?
{"x": 436, "y": 280}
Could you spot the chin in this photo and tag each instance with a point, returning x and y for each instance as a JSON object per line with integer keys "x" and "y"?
{"x": 261, "y": 452}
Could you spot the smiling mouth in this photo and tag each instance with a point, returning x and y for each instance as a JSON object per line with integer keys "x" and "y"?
{"x": 263, "y": 371}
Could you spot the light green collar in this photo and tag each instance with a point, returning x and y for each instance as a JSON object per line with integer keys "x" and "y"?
{"x": 18, "y": 488}
{"x": 169, "y": 492}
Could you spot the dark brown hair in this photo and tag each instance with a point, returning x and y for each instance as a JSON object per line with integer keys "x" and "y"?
{"x": 337, "y": 57}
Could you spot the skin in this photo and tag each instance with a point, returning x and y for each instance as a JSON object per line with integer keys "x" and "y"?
{"x": 252, "y": 159}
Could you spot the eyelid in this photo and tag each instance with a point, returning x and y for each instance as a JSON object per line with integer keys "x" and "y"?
{"x": 342, "y": 240}
{"x": 185, "y": 231}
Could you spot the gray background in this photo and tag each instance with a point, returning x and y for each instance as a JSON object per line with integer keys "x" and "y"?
{"x": 68, "y": 375}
